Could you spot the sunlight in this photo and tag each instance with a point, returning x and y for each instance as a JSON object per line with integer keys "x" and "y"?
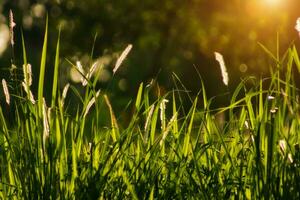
{"x": 273, "y": 2}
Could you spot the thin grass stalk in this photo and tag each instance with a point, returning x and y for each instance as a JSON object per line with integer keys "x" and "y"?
{"x": 115, "y": 128}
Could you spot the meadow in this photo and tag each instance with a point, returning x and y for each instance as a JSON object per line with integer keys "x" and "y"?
{"x": 165, "y": 151}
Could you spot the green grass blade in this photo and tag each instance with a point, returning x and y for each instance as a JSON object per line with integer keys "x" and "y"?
{"x": 55, "y": 76}
{"x": 42, "y": 70}
{"x": 139, "y": 97}
{"x": 24, "y": 49}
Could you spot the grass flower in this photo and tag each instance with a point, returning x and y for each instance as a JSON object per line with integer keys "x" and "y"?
{"x": 12, "y": 24}
{"x": 90, "y": 104}
{"x": 80, "y": 69}
{"x": 6, "y": 92}
{"x": 290, "y": 158}
{"x": 28, "y": 92}
{"x": 122, "y": 58}
{"x": 45, "y": 122}
{"x": 297, "y": 27}
{"x": 148, "y": 118}
{"x": 162, "y": 108}
{"x": 247, "y": 124}
{"x": 27, "y": 74}
{"x": 271, "y": 97}
{"x": 64, "y": 93}
{"x": 220, "y": 59}
{"x": 90, "y": 73}
{"x": 165, "y": 133}
{"x": 282, "y": 146}
{"x": 274, "y": 110}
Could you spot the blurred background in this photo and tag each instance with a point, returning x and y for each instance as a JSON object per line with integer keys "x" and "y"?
{"x": 168, "y": 37}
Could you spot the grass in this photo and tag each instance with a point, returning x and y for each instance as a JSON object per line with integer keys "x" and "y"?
{"x": 165, "y": 152}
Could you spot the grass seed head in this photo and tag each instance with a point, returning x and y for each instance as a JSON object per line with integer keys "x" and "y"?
{"x": 282, "y": 146}
{"x": 90, "y": 73}
{"x": 45, "y": 122}
{"x": 81, "y": 70}
{"x": 28, "y": 92}
{"x": 12, "y": 24}
{"x": 90, "y": 104}
{"x": 290, "y": 158}
{"x": 274, "y": 110}
{"x": 148, "y": 118}
{"x": 297, "y": 27}
{"x": 162, "y": 108}
{"x": 220, "y": 59}
{"x": 6, "y": 92}
{"x": 65, "y": 90}
{"x": 122, "y": 58}
{"x": 27, "y": 74}
{"x": 271, "y": 97}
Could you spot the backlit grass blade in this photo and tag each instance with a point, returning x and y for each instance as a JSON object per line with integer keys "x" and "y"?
{"x": 24, "y": 49}
{"x": 56, "y": 69}
{"x": 139, "y": 97}
{"x": 186, "y": 144}
{"x": 268, "y": 52}
{"x": 115, "y": 128}
{"x": 42, "y": 70}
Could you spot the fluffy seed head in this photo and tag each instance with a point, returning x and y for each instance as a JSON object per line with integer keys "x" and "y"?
{"x": 12, "y": 24}
{"x": 90, "y": 104}
{"x": 271, "y": 97}
{"x": 45, "y": 122}
{"x": 80, "y": 69}
{"x": 274, "y": 110}
{"x": 282, "y": 145}
{"x": 148, "y": 118}
{"x": 122, "y": 58}
{"x": 220, "y": 59}
{"x": 290, "y": 158}
{"x": 28, "y": 92}
{"x": 6, "y": 92}
{"x": 90, "y": 73}
{"x": 297, "y": 27}
{"x": 66, "y": 88}
{"x": 162, "y": 108}
{"x": 64, "y": 94}
{"x": 27, "y": 74}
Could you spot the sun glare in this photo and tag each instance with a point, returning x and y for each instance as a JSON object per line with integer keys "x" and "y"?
{"x": 273, "y": 2}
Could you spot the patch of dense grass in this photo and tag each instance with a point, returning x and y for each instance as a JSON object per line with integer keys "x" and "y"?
{"x": 165, "y": 152}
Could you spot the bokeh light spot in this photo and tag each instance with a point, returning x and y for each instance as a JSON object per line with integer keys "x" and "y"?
{"x": 4, "y": 37}
{"x": 243, "y": 68}
{"x": 123, "y": 85}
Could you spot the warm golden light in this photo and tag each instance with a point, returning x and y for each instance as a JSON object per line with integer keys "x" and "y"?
{"x": 273, "y": 2}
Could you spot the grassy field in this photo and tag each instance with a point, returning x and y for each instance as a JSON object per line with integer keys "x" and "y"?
{"x": 165, "y": 152}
